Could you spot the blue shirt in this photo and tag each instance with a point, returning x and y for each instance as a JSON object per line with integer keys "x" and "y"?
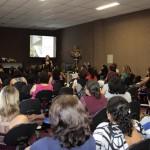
{"x": 49, "y": 143}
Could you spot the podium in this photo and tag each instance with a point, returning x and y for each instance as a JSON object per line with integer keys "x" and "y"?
{"x": 10, "y": 64}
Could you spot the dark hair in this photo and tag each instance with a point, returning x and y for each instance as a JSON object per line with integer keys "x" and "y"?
{"x": 112, "y": 68}
{"x": 82, "y": 73}
{"x": 43, "y": 77}
{"x": 56, "y": 74}
{"x": 91, "y": 72}
{"x": 94, "y": 88}
{"x": 17, "y": 73}
{"x": 117, "y": 86}
{"x": 118, "y": 107}
{"x": 70, "y": 123}
{"x": 114, "y": 65}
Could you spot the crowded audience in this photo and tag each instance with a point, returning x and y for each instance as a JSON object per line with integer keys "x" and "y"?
{"x": 71, "y": 115}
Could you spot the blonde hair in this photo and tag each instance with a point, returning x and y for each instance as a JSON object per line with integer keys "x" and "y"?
{"x": 9, "y": 101}
{"x": 127, "y": 70}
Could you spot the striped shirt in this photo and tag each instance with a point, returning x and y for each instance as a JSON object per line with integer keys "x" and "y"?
{"x": 108, "y": 136}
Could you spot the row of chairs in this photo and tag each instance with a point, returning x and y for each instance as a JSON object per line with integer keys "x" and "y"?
{"x": 19, "y": 135}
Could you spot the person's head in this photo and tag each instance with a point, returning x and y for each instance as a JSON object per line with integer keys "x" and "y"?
{"x": 126, "y": 69}
{"x": 56, "y": 74}
{"x": 11, "y": 70}
{"x": 117, "y": 86}
{"x": 70, "y": 123}
{"x": 43, "y": 77}
{"x": 92, "y": 88}
{"x": 47, "y": 57}
{"x": 114, "y": 65}
{"x": 105, "y": 69}
{"x": 91, "y": 71}
{"x": 9, "y": 101}
{"x": 17, "y": 73}
{"x": 20, "y": 68}
{"x": 82, "y": 73}
{"x": 112, "y": 68}
{"x": 118, "y": 112}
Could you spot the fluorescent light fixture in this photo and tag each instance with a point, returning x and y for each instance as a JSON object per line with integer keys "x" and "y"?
{"x": 107, "y": 6}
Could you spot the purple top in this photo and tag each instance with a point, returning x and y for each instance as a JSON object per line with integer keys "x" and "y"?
{"x": 93, "y": 104}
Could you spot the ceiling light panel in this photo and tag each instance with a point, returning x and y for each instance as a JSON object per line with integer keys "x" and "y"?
{"x": 107, "y": 6}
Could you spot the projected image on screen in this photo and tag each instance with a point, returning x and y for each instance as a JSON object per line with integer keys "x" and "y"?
{"x": 40, "y": 46}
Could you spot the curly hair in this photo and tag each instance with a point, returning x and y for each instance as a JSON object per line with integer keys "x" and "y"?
{"x": 118, "y": 107}
{"x": 117, "y": 86}
{"x": 70, "y": 123}
{"x": 94, "y": 88}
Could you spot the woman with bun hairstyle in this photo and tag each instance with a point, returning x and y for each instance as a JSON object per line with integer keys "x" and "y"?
{"x": 93, "y": 100}
{"x": 121, "y": 132}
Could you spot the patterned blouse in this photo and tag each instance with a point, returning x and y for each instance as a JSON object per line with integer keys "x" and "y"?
{"x": 108, "y": 136}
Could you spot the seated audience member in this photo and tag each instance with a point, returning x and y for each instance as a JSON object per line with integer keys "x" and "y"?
{"x": 3, "y": 75}
{"x": 94, "y": 100}
{"x": 111, "y": 73}
{"x": 57, "y": 76}
{"x": 142, "y": 84}
{"x": 121, "y": 132}
{"x": 79, "y": 83}
{"x": 91, "y": 74}
{"x": 17, "y": 77}
{"x": 103, "y": 72}
{"x": 9, "y": 109}
{"x": 116, "y": 87}
{"x": 126, "y": 72}
{"x": 116, "y": 69}
{"x": 43, "y": 85}
{"x": 70, "y": 127}
{"x": 146, "y": 120}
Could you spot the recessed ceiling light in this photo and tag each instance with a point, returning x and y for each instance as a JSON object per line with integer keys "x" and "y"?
{"x": 107, "y": 6}
{"x": 42, "y": 0}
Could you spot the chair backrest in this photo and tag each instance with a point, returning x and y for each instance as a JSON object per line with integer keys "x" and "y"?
{"x": 30, "y": 106}
{"x": 57, "y": 85}
{"x": 128, "y": 81}
{"x": 26, "y": 90}
{"x": 44, "y": 95}
{"x": 133, "y": 92}
{"x": 66, "y": 90}
{"x": 137, "y": 79}
{"x": 20, "y": 134}
{"x": 19, "y": 85}
{"x": 6, "y": 82}
{"x": 135, "y": 109}
{"x": 98, "y": 118}
{"x": 142, "y": 145}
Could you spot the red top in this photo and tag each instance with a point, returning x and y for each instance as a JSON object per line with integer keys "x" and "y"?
{"x": 93, "y": 104}
{"x": 90, "y": 78}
